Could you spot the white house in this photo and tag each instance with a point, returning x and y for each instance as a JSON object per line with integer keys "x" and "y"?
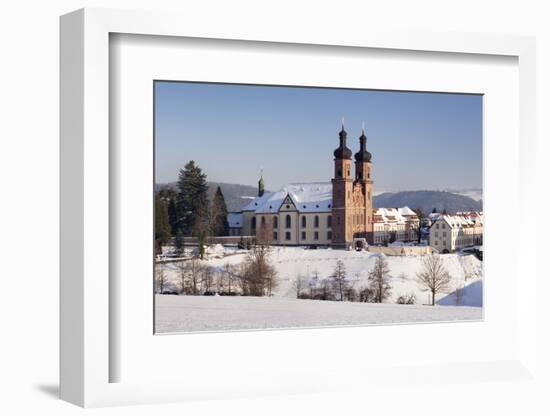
{"x": 453, "y": 232}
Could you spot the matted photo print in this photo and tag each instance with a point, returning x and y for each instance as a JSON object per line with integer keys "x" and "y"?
{"x": 279, "y": 207}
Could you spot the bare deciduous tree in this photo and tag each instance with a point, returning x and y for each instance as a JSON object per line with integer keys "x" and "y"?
{"x": 207, "y": 279}
{"x": 160, "y": 277}
{"x": 257, "y": 275}
{"x": 182, "y": 275}
{"x": 230, "y": 275}
{"x": 298, "y": 284}
{"x": 195, "y": 269}
{"x": 434, "y": 277}
{"x": 379, "y": 280}
{"x": 312, "y": 283}
{"x": 339, "y": 278}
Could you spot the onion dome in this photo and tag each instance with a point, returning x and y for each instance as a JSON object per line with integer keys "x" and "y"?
{"x": 342, "y": 152}
{"x": 363, "y": 155}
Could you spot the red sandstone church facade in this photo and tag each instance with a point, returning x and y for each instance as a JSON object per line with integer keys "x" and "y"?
{"x": 352, "y": 213}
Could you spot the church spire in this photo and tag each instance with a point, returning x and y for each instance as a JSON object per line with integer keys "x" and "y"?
{"x": 261, "y": 188}
{"x": 342, "y": 152}
{"x": 363, "y": 155}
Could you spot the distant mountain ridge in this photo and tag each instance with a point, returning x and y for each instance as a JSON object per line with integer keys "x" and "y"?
{"x": 427, "y": 201}
{"x": 237, "y": 196}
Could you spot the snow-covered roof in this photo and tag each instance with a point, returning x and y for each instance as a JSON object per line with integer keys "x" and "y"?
{"x": 306, "y": 197}
{"x": 235, "y": 219}
{"x": 434, "y": 216}
{"x": 457, "y": 221}
{"x": 406, "y": 211}
{"x": 398, "y": 215}
{"x": 315, "y": 197}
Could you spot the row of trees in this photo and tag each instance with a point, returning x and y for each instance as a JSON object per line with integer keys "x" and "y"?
{"x": 187, "y": 211}
{"x": 433, "y": 278}
{"x": 255, "y": 276}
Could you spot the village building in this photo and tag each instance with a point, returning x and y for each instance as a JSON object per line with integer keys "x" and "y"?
{"x": 337, "y": 213}
{"x": 395, "y": 224}
{"x": 450, "y": 233}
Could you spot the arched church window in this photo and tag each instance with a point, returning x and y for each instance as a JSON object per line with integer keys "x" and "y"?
{"x": 304, "y": 221}
{"x": 253, "y": 223}
{"x": 275, "y": 222}
{"x": 288, "y": 221}
{"x": 263, "y": 220}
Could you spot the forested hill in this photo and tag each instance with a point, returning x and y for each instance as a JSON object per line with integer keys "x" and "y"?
{"x": 237, "y": 196}
{"x": 427, "y": 201}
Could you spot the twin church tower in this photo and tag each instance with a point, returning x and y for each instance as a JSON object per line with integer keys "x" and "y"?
{"x": 352, "y": 213}
{"x": 337, "y": 213}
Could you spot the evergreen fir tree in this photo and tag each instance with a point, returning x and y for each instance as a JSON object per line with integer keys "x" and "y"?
{"x": 179, "y": 242}
{"x": 219, "y": 214}
{"x": 192, "y": 200}
{"x": 173, "y": 215}
{"x": 162, "y": 227}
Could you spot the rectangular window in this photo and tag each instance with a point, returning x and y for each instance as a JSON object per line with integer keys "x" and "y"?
{"x": 316, "y": 222}
{"x": 287, "y": 235}
{"x": 436, "y": 234}
{"x": 444, "y": 233}
{"x": 275, "y": 235}
{"x": 329, "y": 235}
{"x": 329, "y": 221}
{"x": 316, "y": 235}
{"x": 437, "y": 226}
{"x": 303, "y": 235}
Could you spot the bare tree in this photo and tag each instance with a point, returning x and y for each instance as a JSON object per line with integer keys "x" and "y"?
{"x": 339, "y": 278}
{"x": 258, "y": 276}
{"x": 195, "y": 268}
{"x": 326, "y": 289}
{"x": 207, "y": 279}
{"x": 312, "y": 283}
{"x": 230, "y": 275}
{"x": 434, "y": 277}
{"x": 379, "y": 280}
{"x": 366, "y": 295}
{"x": 182, "y": 275}
{"x": 298, "y": 284}
{"x": 160, "y": 277}
{"x": 202, "y": 229}
{"x": 264, "y": 237}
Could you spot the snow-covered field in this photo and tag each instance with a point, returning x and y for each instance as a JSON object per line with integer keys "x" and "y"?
{"x": 229, "y": 313}
{"x": 208, "y": 313}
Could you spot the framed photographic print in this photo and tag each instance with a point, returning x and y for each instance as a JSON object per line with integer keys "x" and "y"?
{"x": 245, "y": 201}
{"x": 327, "y": 247}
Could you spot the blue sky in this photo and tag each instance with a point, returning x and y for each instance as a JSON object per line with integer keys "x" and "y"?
{"x": 418, "y": 140}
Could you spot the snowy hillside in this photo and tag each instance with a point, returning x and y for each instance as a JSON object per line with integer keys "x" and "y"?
{"x": 215, "y": 313}
{"x": 293, "y": 261}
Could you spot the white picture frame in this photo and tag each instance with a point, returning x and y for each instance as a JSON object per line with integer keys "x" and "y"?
{"x": 87, "y": 302}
